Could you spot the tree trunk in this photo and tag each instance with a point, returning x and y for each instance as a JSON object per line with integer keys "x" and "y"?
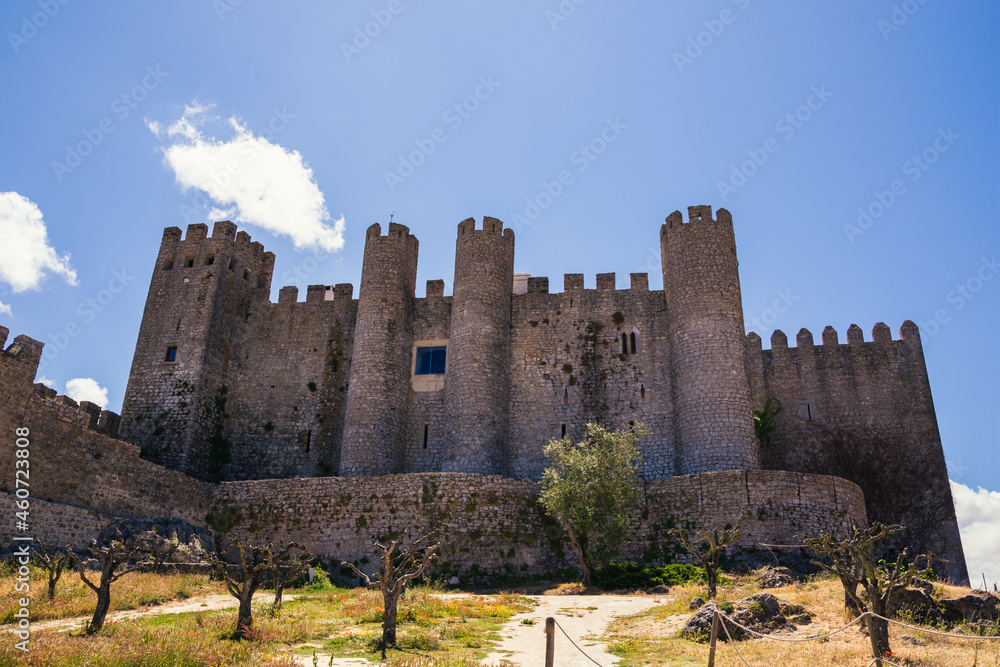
{"x": 101, "y": 611}
{"x": 279, "y": 589}
{"x": 52, "y": 585}
{"x": 713, "y": 575}
{"x": 390, "y": 603}
{"x": 244, "y": 621}
{"x": 588, "y": 574}
{"x": 878, "y": 630}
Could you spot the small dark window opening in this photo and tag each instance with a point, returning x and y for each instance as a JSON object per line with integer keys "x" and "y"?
{"x": 642, "y": 392}
{"x": 210, "y": 260}
{"x": 563, "y": 431}
{"x": 178, "y": 324}
{"x": 190, "y": 262}
{"x": 809, "y": 411}
{"x": 246, "y": 274}
{"x": 631, "y": 337}
{"x": 171, "y": 354}
{"x": 430, "y": 360}
{"x": 624, "y": 344}
{"x": 167, "y": 265}
{"x": 305, "y": 439}
{"x": 426, "y": 429}
{"x": 565, "y": 396}
{"x": 232, "y": 265}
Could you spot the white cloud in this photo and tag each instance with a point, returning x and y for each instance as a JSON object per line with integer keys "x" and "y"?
{"x": 979, "y": 523}
{"x": 47, "y": 382}
{"x": 25, "y": 253}
{"x": 250, "y": 179}
{"x": 87, "y": 389}
{"x": 5, "y": 309}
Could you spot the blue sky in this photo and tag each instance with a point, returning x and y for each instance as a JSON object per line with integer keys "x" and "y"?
{"x": 792, "y": 115}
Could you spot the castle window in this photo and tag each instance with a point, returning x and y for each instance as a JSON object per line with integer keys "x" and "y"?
{"x": 171, "y": 354}
{"x": 430, "y": 360}
{"x": 305, "y": 440}
{"x": 563, "y": 435}
{"x": 210, "y": 260}
{"x": 189, "y": 262}
{"x": 632, "y": 341}
{"x": 168, "y": 264}
{"x": 232, "y": 265}
{"x": 624, "y": 344}
{"x": 426, "y": 430}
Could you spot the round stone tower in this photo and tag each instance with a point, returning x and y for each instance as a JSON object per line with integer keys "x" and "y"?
{"x": 379, "y": 385}
{"x": 713, "y": 412}
{"x": 477, "y": 379}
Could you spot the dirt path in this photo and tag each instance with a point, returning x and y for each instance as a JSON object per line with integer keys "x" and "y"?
{"x": 583, "y": 617}
{"x": 207, "y": 603}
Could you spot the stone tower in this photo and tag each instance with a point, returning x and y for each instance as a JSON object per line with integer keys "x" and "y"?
{"x": 713, "y": 412}
{"x": 477, "y": 386}
{"x": 378, "y": 391}
{"x": 190, "y": 338}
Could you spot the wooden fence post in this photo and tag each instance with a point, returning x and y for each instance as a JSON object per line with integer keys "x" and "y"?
{"x": 550, "y": 641}
{"x": 712, "y": 638}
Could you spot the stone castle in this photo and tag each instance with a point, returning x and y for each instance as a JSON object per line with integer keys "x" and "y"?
{"x": 450, "y": 399}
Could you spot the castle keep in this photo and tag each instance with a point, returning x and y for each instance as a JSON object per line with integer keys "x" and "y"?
{"x": 387, "y": 395}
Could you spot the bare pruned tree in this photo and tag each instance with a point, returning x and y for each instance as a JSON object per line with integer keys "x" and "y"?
{"x": 707, "y": 547}
{"x": 117, "y": 559}
{"x": 397, "y": 566}
{"x": 253, "y": 567}
{"x": 853, "y": 560}
{"x": 54, "y": 559}
{"x": 291, "y": 569}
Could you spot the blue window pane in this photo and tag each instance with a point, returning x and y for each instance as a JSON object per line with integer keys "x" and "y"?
{"x": 430, "y": 360}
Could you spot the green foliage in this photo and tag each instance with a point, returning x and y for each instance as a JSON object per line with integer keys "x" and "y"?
{"x": 630, "y": 576}
{"x": 591, "y": 485}
{"x": 763, "y": 421}
{"x": 223, "y": 518}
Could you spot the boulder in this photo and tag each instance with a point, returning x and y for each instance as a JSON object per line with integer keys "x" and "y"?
{"x": 975, "y": 606}
{"x": 761, "y": 613}
{"x": 774, "y": 577}
{"x": 915, "y": 604}
{"x": 696, "y": 603}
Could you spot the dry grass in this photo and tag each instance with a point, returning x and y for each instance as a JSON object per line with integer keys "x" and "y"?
{"x": 650, "y": 638}
{"x": 448, "y": 630}
{"x": 74, "y": 598}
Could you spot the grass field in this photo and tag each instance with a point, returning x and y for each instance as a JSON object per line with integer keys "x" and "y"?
{"x": 447, "y": 629}
{"x": 650, "y": 638}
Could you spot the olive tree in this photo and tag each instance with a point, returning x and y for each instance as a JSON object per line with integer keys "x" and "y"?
{"x": 116, "y": 559}
{"x": 54, "y": 559}
{"x": 707, "y": 547}
{"x": 853, "y": 560}
{"x": 397, "y": 566}
{"x": 254, "y": 564}
{"x": 589, "y": 487}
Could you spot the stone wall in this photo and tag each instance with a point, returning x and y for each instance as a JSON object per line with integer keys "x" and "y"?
{"x": 54, "y": 523}
{"x": 863, "y": 411}
{"x": 568, "y": 367}
{"x": 73, "y": 464}
{"x": 495, "y": 525}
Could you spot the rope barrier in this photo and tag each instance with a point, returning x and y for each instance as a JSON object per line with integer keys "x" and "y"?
{"x": 730, "y": 638}
{"x": 933, "y": 632}
{"x": 577, "y": 647}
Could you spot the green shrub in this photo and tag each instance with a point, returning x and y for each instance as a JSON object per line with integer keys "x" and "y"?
{"x": 632, "y": 576}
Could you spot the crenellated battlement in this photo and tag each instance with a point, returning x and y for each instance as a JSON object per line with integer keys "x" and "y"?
{"x": 235, "y": 251}
{"x": 696, "y": 214}
{"x": 490, "y": 227}
{"x": 19, "y": 360}
{"x": 881, "y": 334}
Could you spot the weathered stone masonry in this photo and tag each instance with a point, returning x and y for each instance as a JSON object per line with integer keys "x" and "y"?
{"x": 226, "y": 385}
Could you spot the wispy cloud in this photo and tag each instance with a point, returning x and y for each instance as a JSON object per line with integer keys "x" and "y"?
{"x": 25, "y": 254}
{"x": 249, "y": 178}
